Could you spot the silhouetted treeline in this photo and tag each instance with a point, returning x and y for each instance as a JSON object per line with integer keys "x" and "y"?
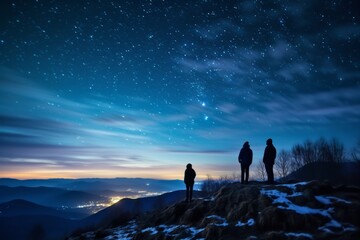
{"x": 355, "y": 152}
{"x": 321, "y": 150}
{"x": 211, "y": 185}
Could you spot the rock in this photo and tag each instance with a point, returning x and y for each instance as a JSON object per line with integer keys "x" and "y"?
{"x": 193, "y": 216}
{"x": 273, "y": 235}
{"x": 318, "y": 187}
{"x": 212, "y": 232}
{"x": 273, "y": 218}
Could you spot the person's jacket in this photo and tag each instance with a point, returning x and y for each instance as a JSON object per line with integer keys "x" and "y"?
{"x": 245, "y": 155}
{"x": 190, "y": 175}
{"x": 269, "y": 154}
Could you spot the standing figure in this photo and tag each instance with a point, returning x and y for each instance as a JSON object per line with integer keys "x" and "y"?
{"x": 245, "y": 159}
{"x": 269, "y": 160}
{"x": 189, "y": 179}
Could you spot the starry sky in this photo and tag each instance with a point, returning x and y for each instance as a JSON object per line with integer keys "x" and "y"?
{"x": 140, "y": 88}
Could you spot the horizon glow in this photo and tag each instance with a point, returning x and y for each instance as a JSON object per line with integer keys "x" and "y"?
{"x": 123, "y": 89}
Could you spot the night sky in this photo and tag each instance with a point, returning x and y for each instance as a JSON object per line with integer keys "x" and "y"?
{"x": 141, "y": 88}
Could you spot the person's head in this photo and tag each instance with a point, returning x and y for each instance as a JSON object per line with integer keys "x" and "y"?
{"x": 189, "y": 166}
{"x": 246, "y": 144}
{"x": 269, "y": 141}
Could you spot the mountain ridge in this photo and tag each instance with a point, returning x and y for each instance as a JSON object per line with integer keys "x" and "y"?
{"x": 20, "y": 207}
{"x": 48, "y": 196}
{"x": 304, "y": 210}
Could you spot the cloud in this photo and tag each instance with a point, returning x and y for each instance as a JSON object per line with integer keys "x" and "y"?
{"x": 347, "y": 32}
{"x": 227, "y": 107}
{"x": 199, "y": 151}
{"x": 130, "y": 120}
{"x": 27, "y": 95}
{"x": 13, "y": 122}
{"x": 218, "y": 30}
{"x": 68, "y": 156}
{"x": 322, "y": 107}
{"x": 282, "y": 50}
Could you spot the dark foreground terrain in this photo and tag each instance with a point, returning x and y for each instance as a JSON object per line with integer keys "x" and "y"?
{"x": 303, "y": 210}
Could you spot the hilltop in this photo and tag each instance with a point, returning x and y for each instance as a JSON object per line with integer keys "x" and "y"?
{"x": 303, "y": 210}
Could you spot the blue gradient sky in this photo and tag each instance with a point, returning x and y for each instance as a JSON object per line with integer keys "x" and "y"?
{"x": 139, "y": 89}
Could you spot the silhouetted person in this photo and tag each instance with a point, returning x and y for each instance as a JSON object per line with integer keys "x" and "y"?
{"x": 245, "y": 160}
{"x": 189, "y": 179}
{"x": 269, "y": 160}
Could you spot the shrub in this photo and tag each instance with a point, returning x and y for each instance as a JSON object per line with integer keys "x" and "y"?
{"x": 211, "y": 185}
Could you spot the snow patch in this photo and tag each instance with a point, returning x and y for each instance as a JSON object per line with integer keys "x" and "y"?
{"x": 168, "y": 230}
{"x": 306, "y": 235}
{"x": 282, "y": 198}
{"x": 279, "y": 197}
{"x": 334, "y": 225}
{"x": 124, "y": 233}
{"x": 221, "y": 219}
{"x": 208, "y": 199}
{"x": 306, "y": 210}
{"x": 152, "y": 230}
{"x": 250, "y": 222}
{"x": 327, "y": 200}
{"x": 339, "y": 200}
{"x": 293, "y": 186}
{"x": 324, "y": 200}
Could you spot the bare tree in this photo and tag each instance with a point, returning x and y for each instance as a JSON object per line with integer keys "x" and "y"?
{"x": 297, "y": 157}
{"x": 260, "y": 172}
{"x": 355, "y": 153}
{"x": 322, "y": 150}
{"x": 283, "y": 164}
{"x": 309, "y": 154}
{"x": 211, "y": 185}
{"x": 336, "y": 150}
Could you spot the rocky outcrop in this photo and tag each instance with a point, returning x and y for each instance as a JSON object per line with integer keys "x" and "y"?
{"x": 305, "y": 210}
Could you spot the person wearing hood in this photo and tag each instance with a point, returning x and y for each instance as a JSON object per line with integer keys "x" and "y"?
{"x": 269, "y": 160}
{"x": 245, "y": 159}
{"x": 189, "y": 180}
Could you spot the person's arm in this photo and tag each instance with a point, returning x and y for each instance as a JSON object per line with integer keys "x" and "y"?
{"x": 251, "y": 156}
{"x": 274, "y": 153}
{"x": 240, "y": 156}
{"x": 265, "y": 155}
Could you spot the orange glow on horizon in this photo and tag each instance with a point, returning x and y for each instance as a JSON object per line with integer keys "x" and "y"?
{"x": 165, "y": 172}
{"x": 76, "y": 174}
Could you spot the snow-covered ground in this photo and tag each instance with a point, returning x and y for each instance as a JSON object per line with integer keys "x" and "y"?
{"x": 279, "y": 197}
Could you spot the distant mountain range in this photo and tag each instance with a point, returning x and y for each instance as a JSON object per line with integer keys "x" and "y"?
{"x": 36, "y": 226}
{"x": 49, "y": 196}
{"x": 20, "y": 207}
{"x": 49, "y": 208}
{"x": 99, "y": 185}
{"x": 87, "y": 195}
{"x": 20, "y": 219}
